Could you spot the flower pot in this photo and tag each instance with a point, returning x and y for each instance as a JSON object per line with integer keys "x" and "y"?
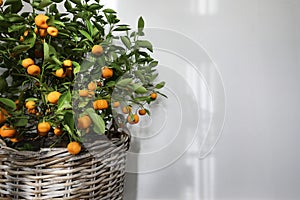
{"x": 52, "y": 173}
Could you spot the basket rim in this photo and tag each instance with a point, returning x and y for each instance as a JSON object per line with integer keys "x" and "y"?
{"x": 3, "y": 147}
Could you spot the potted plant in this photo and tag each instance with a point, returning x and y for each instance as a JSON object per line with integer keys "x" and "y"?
{"x": 71, "y": 81}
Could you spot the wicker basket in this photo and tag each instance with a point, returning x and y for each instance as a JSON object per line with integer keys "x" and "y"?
{"x": 96, "y": 173}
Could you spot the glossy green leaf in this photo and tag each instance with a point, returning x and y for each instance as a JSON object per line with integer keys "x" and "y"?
{"x": 85, "y": 34}
{"x": 44, "y": 3}
{"x": 108, "y": 10}
{"x": 141, "y": 25}
{"x": 8, "y": 102}
{"x": 126, "y": 41}
{"x": 160, "y": 85}
{"x": 145, "y": 44}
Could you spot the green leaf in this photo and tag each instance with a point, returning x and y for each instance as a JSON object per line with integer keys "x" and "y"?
{"x": 44, "y": 3}
{"x": 108, "y": 10}
{"x": 46, "y": 51}
{"x": 94, "y": 7}
{"x": 145, "y": 44}
{"x": 77, "y": 2}
{"x": 30, "y": 40}
{"x": 126, "y": 41}
{"x": 124, "y": 82}
{"x": 57, "y": 1}
{"x": 21, "y": 48}
{"x": 59, "y": 23}
{"x": 16, "y": 27}
{"x": 21, "y": 122}
{"x": 68, "y": 5}
{"x": 160, "y": 85}
{"x": 64, "y": 101}
{"x": 69, "y": 120}
{"x": 3, "y": 84}
{"x": 10, "y": 2}
{"x": 122, "y": 28}
{"x": 90, "y": 27}
{"x": 84, "y": 33}
{"x": 76, "y": 67}
{"x": 8, "y": 102}
{"x": 141, "y": 90}
{"x": 153, "y": 64}
{"x": 99, "y": 124}
{"x": 141, "y": 25}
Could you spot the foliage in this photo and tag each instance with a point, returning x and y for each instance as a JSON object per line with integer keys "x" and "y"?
{"x": 80, "y": 27}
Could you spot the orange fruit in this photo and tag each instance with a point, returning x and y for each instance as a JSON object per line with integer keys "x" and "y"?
{"x": 53, "y": 97}
{"x": 52, "y": 31}
{"x": 44, "y": 127}
{"x": 60, "y": 73}
{"x": 84, "y": 122}
{"x": 91, "y": 94}
{"x": 92, "y": 86}
{"x": 100, "y": 104}
{"x": 34, "y": 70}
{"x": 7, "y": 131}
{"x": 67, "y": 63}
{"x": 21, "y": 39}
{"x": 16, "y": 139}
{"x": 3, "y": 115}
{"x": 133, "y": 119}
{"x": 26, "y": 33}
{"x": 74, "y": 148}
{"x": 126, "y": 109}
{"x": 153, "y": 95}
{"x": 83, "y": 93}
{"x": 58, "y": 131}
{"x": 27, "y": 62}
{"x": 32, "y": 111}
{"x": 41, "y": 21}
{"x": 107, "y": 72}
{"x": 142, "y": 112}
{"x": 116, "y": 104}
{"x": 97, "y": 50}
{"x": 43, "y": 33}
{"x": 1, "y": 2}
{"x": 30, "y": 104}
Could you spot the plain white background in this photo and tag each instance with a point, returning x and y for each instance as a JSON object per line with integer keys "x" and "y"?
{"x": 256, "y": 46}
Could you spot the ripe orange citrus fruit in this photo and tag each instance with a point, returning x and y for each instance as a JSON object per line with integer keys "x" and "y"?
{"x": 107, "y": 72}
{"x": 52, "y": 31}
{"x": 53, "y": 97}
{"x": 7, "y": 131}
{"x": 43, "y": 32}
{"x": 41, "y": 21}
{"x": 92, "y": 86}
{"x": 84, "y": 122}
{"x": 34, "y": 70}
{"x": 67, "y": 63}
{"x": 1, "y": 2}
{"x": 27, "y": 62}
{"x": 153, "y": 95}
{"x": 44, "y": 127}
{"x": 58, "y": 131}
{"x": 16, "y": 139}
{"x": 142, "y": 112}
{"x": 26, "y": 33}
{"x": 100, "y": 104}
{"x": 30, "y": 104}
{"x": 60, "y": 73}
{"x": 133, "y": 119}
{"x": 83, "y": 93}
{"x": 74, "y": 148}
{"x": 116, "y": 104}
{"x": 97, "y": 50}
{"x": 126, "y": 109}
{"x": 21, "y": 38}
{"x": 3, "y": 115}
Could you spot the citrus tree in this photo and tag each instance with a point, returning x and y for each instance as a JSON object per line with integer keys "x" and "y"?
{"x": 68, "y": 74}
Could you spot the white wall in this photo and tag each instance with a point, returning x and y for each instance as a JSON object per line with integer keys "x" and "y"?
{"x": 256, "y": 46}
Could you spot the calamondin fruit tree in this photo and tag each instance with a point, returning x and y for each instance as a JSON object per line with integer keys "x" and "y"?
{"x": 68, "y": 69}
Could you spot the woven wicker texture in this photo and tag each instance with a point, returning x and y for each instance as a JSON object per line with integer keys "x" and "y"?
{"x": 96, "y": 173}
